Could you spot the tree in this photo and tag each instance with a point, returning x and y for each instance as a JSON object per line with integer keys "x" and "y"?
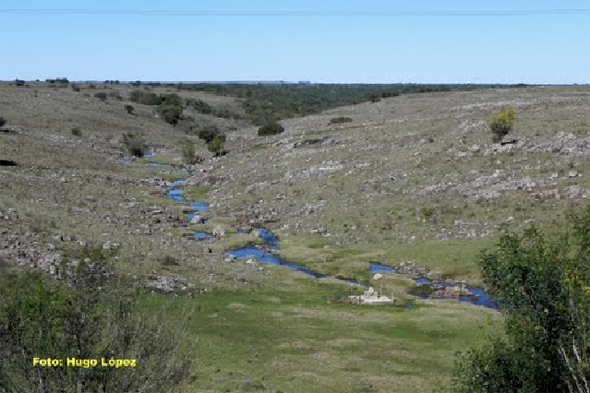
{"x": 542, "y": 282}
{"x": 88, "y": 314}
{"x": 129, "y": 109}
{"x": 501, "y": 123}
{"x": 271, "y": 128}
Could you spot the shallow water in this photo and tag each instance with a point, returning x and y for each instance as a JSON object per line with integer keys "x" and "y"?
{"x": 271, "y": 243}
{"x": 375, "y": 268}
{"x": 175, "y": 194}
{"x": 479, "y": 298}
{"x": 199, "y": 206}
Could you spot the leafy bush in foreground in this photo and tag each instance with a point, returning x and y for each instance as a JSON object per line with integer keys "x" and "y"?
{"x": 272, "y": 128}
{"x": 87, "y": 316}
{"x": 542, "y": 283}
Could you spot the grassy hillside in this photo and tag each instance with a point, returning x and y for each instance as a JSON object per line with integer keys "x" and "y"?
{"x": 414, "y": 178}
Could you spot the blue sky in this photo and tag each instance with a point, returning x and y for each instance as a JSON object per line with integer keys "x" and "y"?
{"x": 374, "y": 43}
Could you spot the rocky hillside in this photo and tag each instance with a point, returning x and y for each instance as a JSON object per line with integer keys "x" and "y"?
{"x": 414, "y": 177}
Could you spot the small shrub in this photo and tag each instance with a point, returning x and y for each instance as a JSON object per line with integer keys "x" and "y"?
{"x": 150, "y": 99}
{"x": 208, "y": 132}
{"x": 501, "y": 124}
{"x": 135, "y": 144}
{"x": 271, "y": 128}
{"x": 19, "y": 82}
{"x": 76, "y": 131}
{"x": 171, "y": 99}
{"x": 170, "y": 113}
{"x": 92, "y": 86}
{"x": 169, "y": 260}
{"x": 200, "y": 106}
{"x": 129, "y": 109}
{"x": 75, "y": 88}
{"x": 427, "y": 212}
{"x": 2, "y": 122}
{"x": 101, "y": 96}
{"x": 188, "y": 153}
{"x": 340, "y": 120}
{"x": 216, "y": 144}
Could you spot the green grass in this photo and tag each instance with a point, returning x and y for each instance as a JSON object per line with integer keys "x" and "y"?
{"x": 197, "y": 193}
{"x": 296, "y": 340}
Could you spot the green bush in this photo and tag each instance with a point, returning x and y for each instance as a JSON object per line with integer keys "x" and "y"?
{"x": 208, "y": 132}
{"x": 129, "y": 109}
{"x": 135, "y": 144}
{"x": 272, "y": 128}
{"x": 170, "y": 113}
{"x": 501, "y": 123}
{"x": 89, "y": 314}
{"x": 340, "y": 120}
{"x": 216, "y": 144}
{"x": 542, "y": 283}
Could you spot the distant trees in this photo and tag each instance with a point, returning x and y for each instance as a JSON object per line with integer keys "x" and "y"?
{"x": 271, "y": 128}
{"x": 501, "y": 123}
{"x": 19, "y": 82}
{"x": 542, "y": 283}
{"x": 170, "y": 106}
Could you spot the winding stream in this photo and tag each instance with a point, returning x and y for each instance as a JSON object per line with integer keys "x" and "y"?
{"x": 426, "y": 288}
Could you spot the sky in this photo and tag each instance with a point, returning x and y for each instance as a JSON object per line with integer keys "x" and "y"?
{"x": 323, "y": 41}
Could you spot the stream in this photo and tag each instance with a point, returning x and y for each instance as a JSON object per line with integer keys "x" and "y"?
{"x": 426, "y": 288}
